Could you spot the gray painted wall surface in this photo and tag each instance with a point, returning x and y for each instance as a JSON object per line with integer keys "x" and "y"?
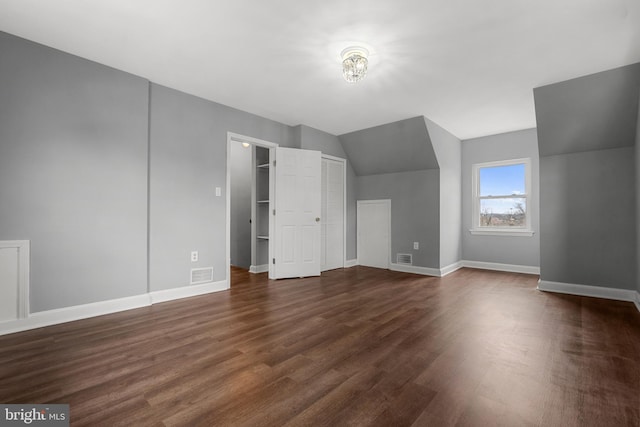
{"x": 415, "y": 214}
{"x": 637, "y": 165}
{"x": 314, "y": 139}
{"x": 448, "y": 151}
{"x": 241, "y": 177}
{"x": 501, "y": 249}
{"x": 593, "y": 112}
{"x": 73, "y": 173}
{"x": 586, "y": 136}
{"x": 188, "y": 160}
{"x": 395, "y": 147}
{"x": 588, "y": 218}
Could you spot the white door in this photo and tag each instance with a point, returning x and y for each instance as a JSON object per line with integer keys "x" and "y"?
{"x": 297, "y": 213}
{"x": 374, "y": 232}
{"x": 332, "y": 223}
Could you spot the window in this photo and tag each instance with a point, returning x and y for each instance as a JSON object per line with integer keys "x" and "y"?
{"x": 501, "y": 198}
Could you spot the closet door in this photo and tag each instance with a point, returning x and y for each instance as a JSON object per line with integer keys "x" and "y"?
{"x": 297, "y": 213}
{"x": 332, "y": 224}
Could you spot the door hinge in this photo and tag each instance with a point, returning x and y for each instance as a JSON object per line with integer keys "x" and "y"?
{"x": 274, "y": 163}
{"x": 274, "y": 211}
{"x": 274, "y": 260}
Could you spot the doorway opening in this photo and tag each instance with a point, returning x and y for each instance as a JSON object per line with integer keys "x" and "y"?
{"x": 249, "y": 201}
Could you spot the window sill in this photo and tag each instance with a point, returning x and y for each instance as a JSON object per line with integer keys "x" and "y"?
{"x": 498, "y": 232}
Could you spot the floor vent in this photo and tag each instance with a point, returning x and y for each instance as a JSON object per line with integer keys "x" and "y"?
{"x": 201, "y": 275}
{"x": 406, "y": 259}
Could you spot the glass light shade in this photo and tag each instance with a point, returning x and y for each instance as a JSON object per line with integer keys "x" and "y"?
{"x": 354, "y": 64}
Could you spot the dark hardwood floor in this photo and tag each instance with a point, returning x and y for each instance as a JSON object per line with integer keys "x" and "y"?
{"x": 354, "y": 347}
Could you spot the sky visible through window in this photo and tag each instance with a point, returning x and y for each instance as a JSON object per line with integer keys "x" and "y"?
{"x": 502, "y": 181}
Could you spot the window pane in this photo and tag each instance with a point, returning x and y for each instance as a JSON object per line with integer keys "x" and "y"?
{"x": 502, "y": 180}
{"x": 507, "y": 212}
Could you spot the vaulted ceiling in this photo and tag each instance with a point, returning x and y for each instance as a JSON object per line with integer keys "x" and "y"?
{"x": 469, "y": 66}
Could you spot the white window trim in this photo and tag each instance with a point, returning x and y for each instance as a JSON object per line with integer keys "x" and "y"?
{"x": 476, "y": 229}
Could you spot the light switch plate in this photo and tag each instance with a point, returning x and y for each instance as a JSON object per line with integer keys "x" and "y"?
{"x": 218, "y": 191}
{"x": 416, "y": 245}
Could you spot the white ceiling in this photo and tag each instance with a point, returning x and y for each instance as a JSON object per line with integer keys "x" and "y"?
{"x": 468, "y": 65}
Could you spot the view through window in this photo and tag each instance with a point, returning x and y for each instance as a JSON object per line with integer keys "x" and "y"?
{"x": 501, "y": 194}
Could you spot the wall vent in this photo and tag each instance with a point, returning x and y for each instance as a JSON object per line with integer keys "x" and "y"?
{"x": 406, "y": 259}
{"x": 201, "y": 275}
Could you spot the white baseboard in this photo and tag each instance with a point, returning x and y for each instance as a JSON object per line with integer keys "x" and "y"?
{"x": 187, "y": 291}
{"x": 348, "y": 263}
{"x": 637, "y": 301}
{"x": 451, "y": 268}
{"x": 511, "y": 268}
{"x": 425, "y": 271}
{"x": 77, "y": 312}
{"x": 85, "y": 311}
{"x": 264, "y": 268}
{"x": 589, "y": 291}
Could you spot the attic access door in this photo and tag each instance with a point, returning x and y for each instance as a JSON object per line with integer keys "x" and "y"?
{"x": 297, "y": 214}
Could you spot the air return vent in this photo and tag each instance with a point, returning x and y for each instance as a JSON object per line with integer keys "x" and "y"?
{"x": 406, "y": 259}
{"x": 201, "y": 275}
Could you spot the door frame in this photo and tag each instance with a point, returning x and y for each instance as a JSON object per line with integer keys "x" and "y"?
{"x": 387, "y": 203}
{"x": 262, "y": 143}
{"x": 344, "y": 204}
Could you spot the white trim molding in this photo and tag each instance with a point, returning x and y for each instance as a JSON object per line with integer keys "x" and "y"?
{"x": 85, "y": 311}
{"x": 77, "y": 312}
{"x": 348, "y": 263}
{"x": 255, "y": 269}
{"x": 187, "y": 291}
{"x": 23, "y": 248}
{"x": 451, "y": 268}
{"x": 510, "y": 268}
{"x": 425, "y": 271}
{"x": 637, "y": 301}
{"x": 513, "y": 232}
{"x": 589, "y": 291}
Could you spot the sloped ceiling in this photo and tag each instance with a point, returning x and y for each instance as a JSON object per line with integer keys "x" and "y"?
{"x": 400, "y": 146}
{"x": 594, "y": 112}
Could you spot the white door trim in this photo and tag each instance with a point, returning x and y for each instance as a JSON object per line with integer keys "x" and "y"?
{"x": 254, "y": 141}
{"x": 386, "y": 202}
{"x": 344, "y": 203}
{"x": 23, "y": 247}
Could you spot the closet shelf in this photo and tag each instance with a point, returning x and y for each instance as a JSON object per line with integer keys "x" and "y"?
{"x": 262, "y": 237}
{"x": 263, "y": 166}
{"x": 263, "y": 201}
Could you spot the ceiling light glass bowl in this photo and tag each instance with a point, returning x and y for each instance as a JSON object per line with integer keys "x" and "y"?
{"x": 354, "y": 63}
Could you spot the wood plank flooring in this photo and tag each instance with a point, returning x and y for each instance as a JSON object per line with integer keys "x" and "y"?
{"x": 355, "y": 347}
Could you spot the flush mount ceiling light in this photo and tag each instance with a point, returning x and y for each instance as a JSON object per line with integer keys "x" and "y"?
{"x": 354, "y": 63}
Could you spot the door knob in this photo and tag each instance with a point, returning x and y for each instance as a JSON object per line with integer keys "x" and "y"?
{"x": 317, "y": 219}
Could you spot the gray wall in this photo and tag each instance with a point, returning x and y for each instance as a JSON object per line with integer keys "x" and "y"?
{"x": 241, "y": 177}
{"x": 400, "y": 146}
{"x": 448, "y": 152}
{"x": 586, "y": 136}
{"x": 501, "y": 249}
{"x": 588, "y": 218}
{"x": 593, "y": 112}
{"x": 73, "y": 173}
{"x": 415, "y": 212}
{"x": 314, "y": 139}
{"x": 637, "y": 165}
{"x": 188, "y": 160}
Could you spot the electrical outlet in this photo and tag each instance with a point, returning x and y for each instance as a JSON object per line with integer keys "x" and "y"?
{"x": 416, "y": 245}
{"x": 194, "y": 256}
